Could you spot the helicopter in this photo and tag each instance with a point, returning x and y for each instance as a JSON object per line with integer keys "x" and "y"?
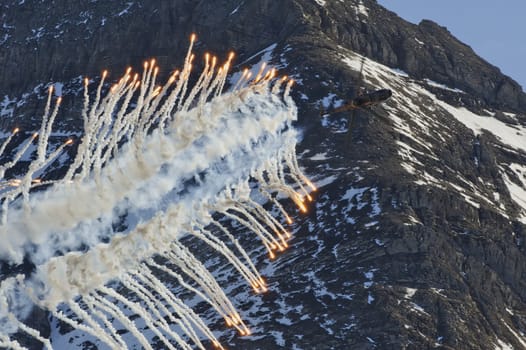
{"x": 362, "y": 101}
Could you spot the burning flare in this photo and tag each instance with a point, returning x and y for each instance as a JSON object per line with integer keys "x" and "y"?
{"x": 142, "y": 144}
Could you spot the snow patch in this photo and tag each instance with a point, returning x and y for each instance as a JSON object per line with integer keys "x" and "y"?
{"x": 58, "y": 89}
{"x": 331, "y": 100}
{"x": 37, "y": 34}
{"x": 370, "y": 299}
{"x": 236, "y": 9}
{"x": 4, "y": 39}
{"x": 278, "y": 337}
{"x": 502, "y": 345}
{"x": 266, "y": 56}
{"x": 419, "y": 41}
{"x": 410, "y": 292}
{"x": 418, "y": 125}
{"x": 438, "y": 291}
{"x": 325, "y": 181}
{"x": 319, "y": 156}
{"x": 442, "y": 86}
{"x": 126, "y": 10}
{"x": 517, "y": 192}
{"x": 514, "y": 136}
{"x": 368, "y": 275}
{"x": 520, "y": 338}
{"x": 284, "y": 320}
{"x": 7, "y": 107}
{"x": 362, "y": 10}
{"x": 400, "y": 72}
{"x": 413, "y": 221}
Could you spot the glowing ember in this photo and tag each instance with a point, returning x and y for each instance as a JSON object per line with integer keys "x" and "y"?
{"x": 141, "y": 142}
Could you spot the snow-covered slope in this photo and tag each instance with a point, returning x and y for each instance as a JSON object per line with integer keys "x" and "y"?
{"x": 415, "y": 238}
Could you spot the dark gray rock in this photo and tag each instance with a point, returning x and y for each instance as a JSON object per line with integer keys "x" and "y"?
{"x": 346, "y": 280}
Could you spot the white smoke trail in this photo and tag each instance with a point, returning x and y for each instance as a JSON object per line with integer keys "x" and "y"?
{"x": 168, "y": 157}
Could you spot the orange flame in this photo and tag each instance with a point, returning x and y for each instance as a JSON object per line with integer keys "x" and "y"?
{"x": 236, "y": 318}
{"x": 173, "y": 77}
{"x": 255, "y": 286}
{"x": 310, "y": 184}
{"x": 15, "y": 182}
{"x": 303, "y": 208}
{"x": 157, "y": 91}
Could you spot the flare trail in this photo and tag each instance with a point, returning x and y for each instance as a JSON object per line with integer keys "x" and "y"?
{"x": 173, "y": 160}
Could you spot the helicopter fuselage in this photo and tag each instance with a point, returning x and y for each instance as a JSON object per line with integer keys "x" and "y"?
{"x": 365, "y": 100}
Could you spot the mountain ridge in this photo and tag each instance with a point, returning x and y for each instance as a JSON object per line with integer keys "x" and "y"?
{"x": 407, "y": 245}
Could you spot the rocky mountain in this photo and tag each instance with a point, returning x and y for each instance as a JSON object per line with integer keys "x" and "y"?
{"x": 415, "y": 239}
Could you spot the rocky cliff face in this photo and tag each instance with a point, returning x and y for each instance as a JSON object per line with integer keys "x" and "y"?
{"x": 416, "y": 237}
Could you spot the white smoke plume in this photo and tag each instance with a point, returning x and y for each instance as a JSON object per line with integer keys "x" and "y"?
{"x": 169, "y": 157}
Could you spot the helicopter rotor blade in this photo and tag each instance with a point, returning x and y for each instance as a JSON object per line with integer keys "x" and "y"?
{"x": 350, "y": 127}
{"x": 360, "y": 75}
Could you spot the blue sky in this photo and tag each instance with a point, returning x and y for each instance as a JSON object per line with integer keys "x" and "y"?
{"x": 496, "y": 30}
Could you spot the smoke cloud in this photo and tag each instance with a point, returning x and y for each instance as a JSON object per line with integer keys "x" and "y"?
{"x": 167, "y": 158}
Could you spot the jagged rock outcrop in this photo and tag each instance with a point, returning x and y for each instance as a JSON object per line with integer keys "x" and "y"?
{"x": 73, "y": 39}
{"x": 426, "y": 50}
{"x": 415, "y": 240}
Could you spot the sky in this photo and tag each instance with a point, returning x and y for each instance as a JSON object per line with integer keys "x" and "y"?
{"x": 495, "y": 30}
